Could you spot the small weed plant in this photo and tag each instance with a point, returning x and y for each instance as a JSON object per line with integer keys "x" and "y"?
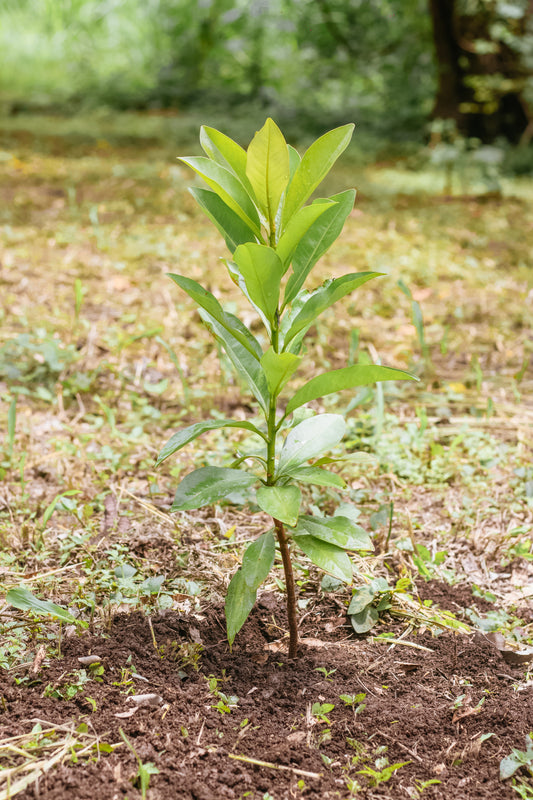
{"x": 257, "y": 199}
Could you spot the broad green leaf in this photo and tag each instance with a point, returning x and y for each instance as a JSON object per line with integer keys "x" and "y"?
{"x": 317, "y": 301}
{"x": 228, "y": 188}
{"x": 208, "y": 301}
{"x": 246, "y": 365}
{"x": 22, "y": 598}
{"x": 234, "y": 230}
{"x": 267, "y": 168}
{"x": 315, "y": 165}
{"x": 240, "y": 600}
{"x": 362, "y": 598}
{"x": 296, "y": 229}
{"x": 258, "y": 559}
{"x": 294, "y": 159}
{"x": 317, "y": 240}
{"x": 365, "y": 620}
{"x": 262, "y": 271}
{"x": 326, "y": 556}
{"x": 281, "y": 502}
{"x": 316, "y": 476}
{"x": 278, "y": 368}
{"x": 238, "y": 279}
{"x": 226, "y": 152}
{"x": 338, "y": 530}
{"x": 310, "y": 438}
{"x": 345, "y": 378}
{"x": 208, "y": 485}
{"x": 186, "y": 435}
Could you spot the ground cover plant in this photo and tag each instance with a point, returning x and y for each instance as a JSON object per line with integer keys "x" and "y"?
{"x": 425, "y": 658}
{"x": 257, "y": 200}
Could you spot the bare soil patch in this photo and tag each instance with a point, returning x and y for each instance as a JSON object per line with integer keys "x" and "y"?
{"x": 428, "y": 707}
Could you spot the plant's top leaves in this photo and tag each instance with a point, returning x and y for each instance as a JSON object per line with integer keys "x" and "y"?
{"x": 313, "y": 168}
{"x": 267, "y": 169}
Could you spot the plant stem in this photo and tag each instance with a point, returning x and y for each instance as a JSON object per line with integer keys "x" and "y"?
{"x": 289, "y": 584}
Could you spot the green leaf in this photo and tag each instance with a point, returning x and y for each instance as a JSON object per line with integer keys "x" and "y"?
{"x": 365, "y": 620}
{"x": 310, "y": 438}
{"x": 186, "y": 435}
{"x": 345, "y": 378}
{"x": 240, "y": 600}
{"x": 319, "y": 237}
{"x": 208, "y": 485}
{"x": 340, "y": 531}
{"x": 329, "y": 558}
{"x": 262, "y": 271}
{"x": 208, "y": 301}
{"x": 297, "y": 228}
{"x": 234, "y": 230}
{"x": 315, "y": 165}
{"x": 22, "y": 598}
{"x": 226, "y": 152}
{"x": 316, "y": 476}
{"x": 229, "y": 189}
{"x": 245, "y": 364}
{"x": 281, "y": 502}
{"x": 258, "y": 559}
{"x": 267, "y": 168}
{"x": 316, "y": 302}
{"x": 362, "y": 598}
{"x": 278, "y": 368}
{"x": 294, "y": 159}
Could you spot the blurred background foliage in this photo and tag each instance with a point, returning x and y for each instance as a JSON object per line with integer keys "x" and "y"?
{"x": 389, "y": 65}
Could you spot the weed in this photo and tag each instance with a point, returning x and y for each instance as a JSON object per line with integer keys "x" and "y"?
{"x": 144, "y": 770}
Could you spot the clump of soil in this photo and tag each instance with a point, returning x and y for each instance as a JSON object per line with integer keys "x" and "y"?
{"x": 426, "y": 707}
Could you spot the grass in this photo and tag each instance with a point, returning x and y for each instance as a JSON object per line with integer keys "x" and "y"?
{"x": 100, "y": 359}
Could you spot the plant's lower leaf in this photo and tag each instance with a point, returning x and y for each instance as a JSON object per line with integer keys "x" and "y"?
{"x": 362, "y": 598}
{"x": 240, "y": 600}
{"x": 345, "y": 378}
{"x": 186, "y": 435}
{"x": 310, "y": 438}
{"x": 258, "y": 559}
{"x": 22, "y": 598}
{"x": 281, "y": 502}
{"x": 317, "y": 477}
{"x": 327, "y": 556}
{"x": 338, "y": 530}
{"x": 208, "y": 485}
{"x": 364, "y": 621}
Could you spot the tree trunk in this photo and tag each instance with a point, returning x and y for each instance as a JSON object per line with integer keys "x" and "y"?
{"x": 480, "y": 86}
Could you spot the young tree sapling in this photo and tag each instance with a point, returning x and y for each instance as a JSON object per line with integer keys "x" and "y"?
{"x": 257, "y": 200}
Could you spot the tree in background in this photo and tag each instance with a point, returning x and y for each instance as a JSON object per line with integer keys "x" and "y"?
{"x": 484, "y": 52}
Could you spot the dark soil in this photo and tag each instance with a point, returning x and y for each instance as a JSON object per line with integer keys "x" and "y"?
{"x": 422, "y": 707}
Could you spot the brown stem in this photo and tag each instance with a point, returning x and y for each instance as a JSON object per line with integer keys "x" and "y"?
{"x": 289, "y": 583}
